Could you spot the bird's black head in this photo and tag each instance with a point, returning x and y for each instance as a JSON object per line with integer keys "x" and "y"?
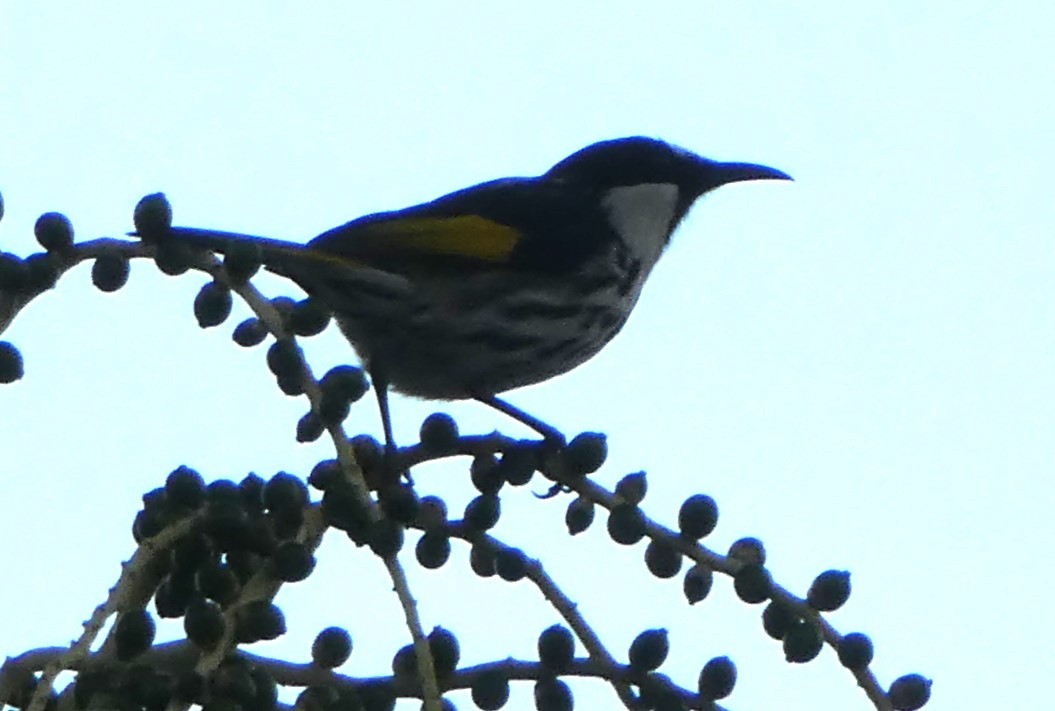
{"x": 638, "y": 160}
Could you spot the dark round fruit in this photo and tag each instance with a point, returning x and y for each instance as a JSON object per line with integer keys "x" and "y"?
{"x": 490, "y": 690}
{"x": 697, "y": 517}
{"x": 386, "y": 537}
{"x": 292, "y": 561}
{"x": 855, "y": 651}
{"x": 216, "y": 581}
{"x": 283, "y": 359}
{"x": 439, "y": 434}
{"x": 802, "y": 643}
{"x": 152, "y": 217}
{"x": 249, "y": 333}
{"x": 346, "y": 382}
{"x": 829, "y": 591}
{"x": 556, "y": 649}
{"x": 585, "y": 453}
{"x": 433, "y": 550}
{"x": 510, "y": 564}
{"x": 185, "y": 487}
{"x": 553, "y": 695}
{"x": 54, "y": 232}
{"x": 133, "y": 634}
{"x": 242, "y": 260}
{"x": 309, "y": 427}
{"x": 259, "y": 620}
{"x": 331, "y": 648}
{"x": 173, "y": 257}
{"x": 632, "y": 488}
{"x": 697, "y": 583}
{"x": 285, "y": 492}
{"x": 778, "y": 619}
{"x": 11, "y": 368}
{"x": 626, "y": 524}
{"x": 753, "y": 584}
{"x": 748, "y": 550}
{"x": 446, "y": 652}
{"x": 482, "y": 559}
{"x": 649, "y": 650}
{"x": 909, "y": 692}
{"x": 485, "y": 474}
{"x": 110, "y": 271}
{"x": 579, "y": 515}
{"x": 518, "y": 465}
{"x": 213, "y": 304}
{"x": 309, "y": 318}
{"x": 481, "y": 514}
{"x": 717, "y": 678}
{"x": 662, "y": 560}
{"x": 203, "y": 624}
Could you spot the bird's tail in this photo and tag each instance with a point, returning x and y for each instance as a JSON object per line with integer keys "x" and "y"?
{"x": 275, "y": 254}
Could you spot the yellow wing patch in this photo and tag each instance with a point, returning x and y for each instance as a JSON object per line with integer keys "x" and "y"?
{"x": 469, "y": 236}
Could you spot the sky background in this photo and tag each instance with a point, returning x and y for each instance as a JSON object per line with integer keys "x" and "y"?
{"x": 857, "y": 366}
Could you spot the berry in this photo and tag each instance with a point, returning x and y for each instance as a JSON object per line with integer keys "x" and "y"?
{"x": 697, "y": 583}
{"x": 855, "y": 651}
{"x": 292, "y": 561}
{"x": 446, "y": 652}
{"x": 626, "y": 524}
{"x": 259, "y": 620}
{"x": 134, "y": 634}
{"x": 212, "y": 305}
{"x": 11, "y": 368}
{"x": 553, "y": 695}
{"x": 110, "y": 271}
{"x": 662, "y": 559}
{"x": 185, "y": 487}
{"x": 490, "y": 690}
{"x": 632, "y": 488}
{"x": 242, "y": 260}
{"x": 778, "y": 619}
{"x": 386, "y": 538}
{"x": 54, "y": 232}
{"x": 249, "y": 333}
{"x": 309, "y": 318}
{"x": 331, "y": 648}
{"x": 152, "y": 217}
{"x": 802, "y": 643}
{"x": 433, "y": 550}
{"x": 510, "y": 564}
{"x": 829, "y": 591}
{"x": 697, "y": 517}
{"x": 481, "y": 514}
{"x": 556, "y": 649}
{"x": 748, "y": 550}
{"x": 585, "y": 453}
{"x": 753, "y": 584}
{"x": 579, "y": 515}
{"x": 717, "y": 678}
{"x": 203, "y": 624}
{"x": 909, "y": 692}
{"x": 439, "y": 434}
{"x": 649, "y": 650}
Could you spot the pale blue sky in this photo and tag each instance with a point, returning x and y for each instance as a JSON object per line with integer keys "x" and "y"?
{"x": 857, "y": 366}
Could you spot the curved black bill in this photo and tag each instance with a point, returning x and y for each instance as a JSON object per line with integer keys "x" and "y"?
{"x": 739, "y": 172}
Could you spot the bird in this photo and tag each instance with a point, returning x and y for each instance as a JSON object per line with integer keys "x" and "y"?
{"x": 504, "y": 284}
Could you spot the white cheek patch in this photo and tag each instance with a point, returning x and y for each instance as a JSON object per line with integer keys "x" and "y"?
{"x": 642, "y": 215}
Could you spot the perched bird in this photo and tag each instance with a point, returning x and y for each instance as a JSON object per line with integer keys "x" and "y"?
{"x": 503, "y": 284}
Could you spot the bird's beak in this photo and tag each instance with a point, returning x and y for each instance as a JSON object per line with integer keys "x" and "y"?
{"x": 723, "y": 173}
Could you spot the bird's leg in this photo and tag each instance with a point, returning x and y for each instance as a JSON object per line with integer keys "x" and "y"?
{"x": 550, "y": 433}
{"x": 390, "y": 458}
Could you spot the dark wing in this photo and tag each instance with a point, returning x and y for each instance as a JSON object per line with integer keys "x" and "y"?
{"x": 521, "y": 223}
